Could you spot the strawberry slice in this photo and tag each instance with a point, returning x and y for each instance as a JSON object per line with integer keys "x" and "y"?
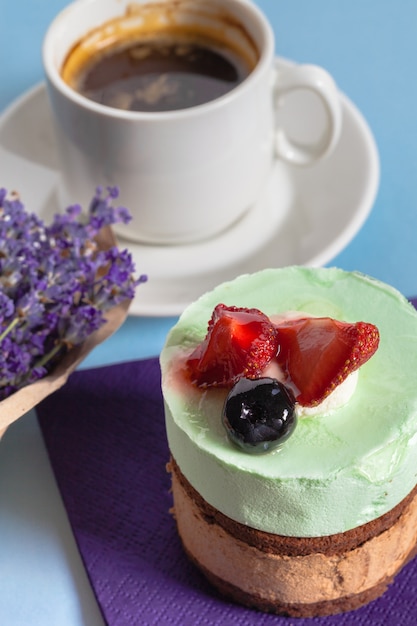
{"x": 239, "y": 342}
{"x": 317, "y": 354}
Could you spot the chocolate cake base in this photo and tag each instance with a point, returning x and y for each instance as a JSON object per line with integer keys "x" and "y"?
{"x": 293, "y": 576}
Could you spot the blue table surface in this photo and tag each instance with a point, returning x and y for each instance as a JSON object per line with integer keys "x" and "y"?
{"x": 370, "y": 48}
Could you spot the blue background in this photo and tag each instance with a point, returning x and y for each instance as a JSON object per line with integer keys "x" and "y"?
{"x": 370, "y": 48}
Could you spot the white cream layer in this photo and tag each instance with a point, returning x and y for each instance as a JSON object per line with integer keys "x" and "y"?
{"x": 337, "y": 471}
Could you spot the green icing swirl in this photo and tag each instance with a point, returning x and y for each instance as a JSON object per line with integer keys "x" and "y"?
{"x": 337, "y": 471}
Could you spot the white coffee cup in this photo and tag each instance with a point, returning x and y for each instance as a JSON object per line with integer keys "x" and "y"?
{"x": 186, "y": 174}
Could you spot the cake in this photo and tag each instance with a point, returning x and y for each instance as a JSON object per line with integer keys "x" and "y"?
{"x": 322, "y": 523}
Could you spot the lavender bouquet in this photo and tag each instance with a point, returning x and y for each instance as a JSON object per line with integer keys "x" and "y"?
{"x": 64, "y": 288}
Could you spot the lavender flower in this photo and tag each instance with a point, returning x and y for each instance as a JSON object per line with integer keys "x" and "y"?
{"x": 55, "y": 284}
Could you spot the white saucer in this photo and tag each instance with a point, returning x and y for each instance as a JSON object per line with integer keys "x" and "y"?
{"x": 305, "y": 216}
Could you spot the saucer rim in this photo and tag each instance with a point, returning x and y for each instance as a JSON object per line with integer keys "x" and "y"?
{"x": 360, "y": 212}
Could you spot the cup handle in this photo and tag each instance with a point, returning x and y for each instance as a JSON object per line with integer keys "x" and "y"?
{"x": 319, "y": 81}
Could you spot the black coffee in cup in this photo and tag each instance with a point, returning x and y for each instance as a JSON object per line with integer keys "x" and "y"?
{"x": 164, "y": 73}
{"x": 158, "y": 65}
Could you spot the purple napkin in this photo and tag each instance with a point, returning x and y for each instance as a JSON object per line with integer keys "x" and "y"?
{"x": 105, "y": 435}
